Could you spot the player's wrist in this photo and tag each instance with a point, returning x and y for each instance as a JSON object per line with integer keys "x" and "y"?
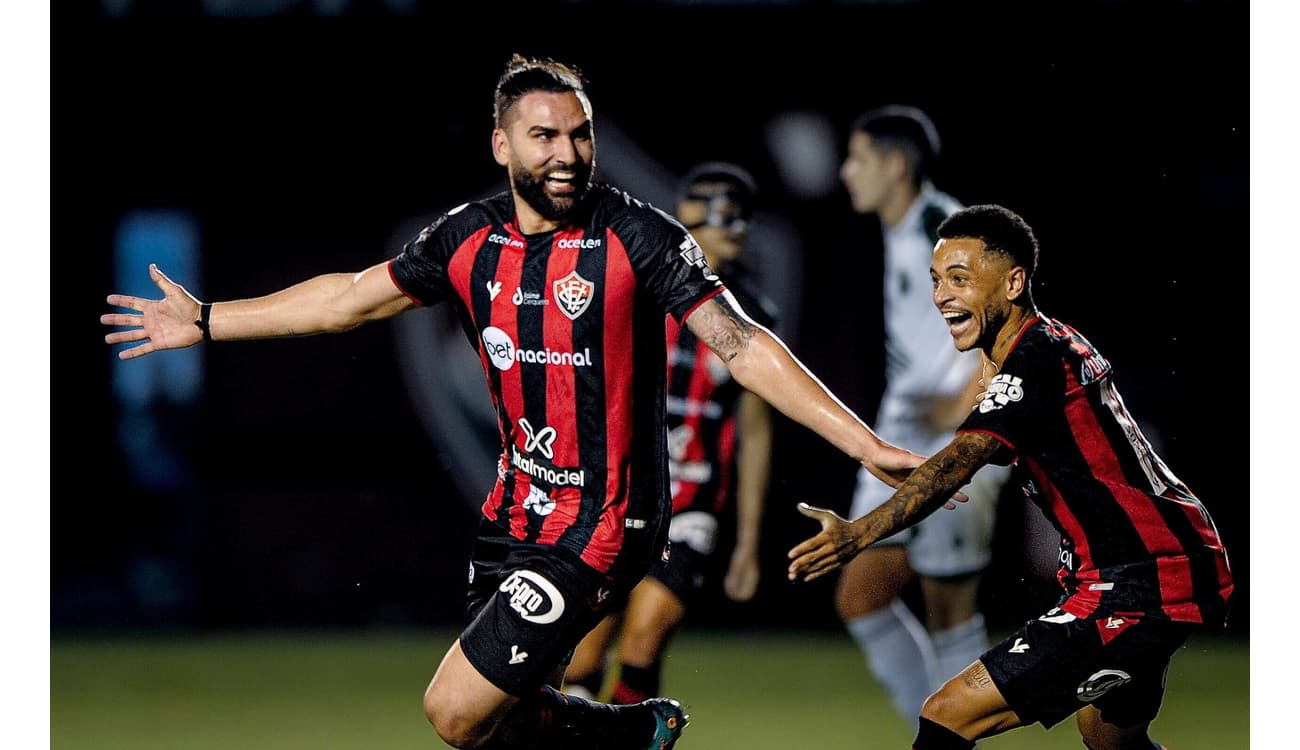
{"x": 204, "y": 323}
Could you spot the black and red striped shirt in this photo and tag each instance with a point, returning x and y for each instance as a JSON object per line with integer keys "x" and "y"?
{"x": 1134, "y": 539}
{"x": 569, "y": 326}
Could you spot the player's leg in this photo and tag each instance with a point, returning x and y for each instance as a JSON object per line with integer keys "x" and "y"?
{"x": 1098, "y": 735}
{"x": 950, "y": 551}
{"x": 530, "y": 606}
{"x": 585, "y": 676}
{"x": 1125, "y": 688}
{"x": 965, "y": 708}
{"x": 895, "y": 644}
{"x": 651, "y": 618}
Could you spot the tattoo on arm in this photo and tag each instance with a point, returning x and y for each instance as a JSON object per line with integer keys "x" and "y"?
{"x": 935, "y": 481}
{"x": 724, "y": 328}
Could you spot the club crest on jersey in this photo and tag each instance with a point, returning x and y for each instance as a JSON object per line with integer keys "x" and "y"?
{"x": 574, "y": 294}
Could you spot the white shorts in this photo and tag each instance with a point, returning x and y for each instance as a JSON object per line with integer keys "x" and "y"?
{"x": 946, "y": 543}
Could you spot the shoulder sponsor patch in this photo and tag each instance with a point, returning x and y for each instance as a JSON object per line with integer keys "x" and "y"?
{"x": 1003, "y": 389}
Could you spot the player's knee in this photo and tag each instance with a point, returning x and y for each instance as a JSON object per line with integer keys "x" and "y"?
{"x": 943, "y": 707}
{"x": 1099, "y": 735}
{"x": 455, "y": 728}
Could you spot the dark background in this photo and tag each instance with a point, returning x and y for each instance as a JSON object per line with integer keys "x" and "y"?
{"x": 301, "y": 140}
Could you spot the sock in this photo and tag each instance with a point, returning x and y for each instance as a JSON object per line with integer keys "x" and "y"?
{"x": 636, "y": 684}
{"x": 932, "y": 736}
{"x": 958, "y": 646}
{"x": 899, "y": 654}
{"x": 552, "y": 720}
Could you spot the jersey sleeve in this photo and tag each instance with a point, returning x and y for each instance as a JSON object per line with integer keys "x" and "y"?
{"x": 420, "y": 270}
{"x": 667, "y": 261}
{"x": 1017, "y": 398}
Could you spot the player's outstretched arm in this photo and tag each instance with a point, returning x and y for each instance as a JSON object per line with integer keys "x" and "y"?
{"x": 923, "y": 492}
{"x": 760, "y": 362}
{"x": 328, "y": 303}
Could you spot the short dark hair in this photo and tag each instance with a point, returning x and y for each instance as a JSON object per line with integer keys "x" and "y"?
{"x": 907, "y": 130}
{"x": 524, "y": 75}
{"x": 1000, "y": 229}
{"x": 738, "y": 184}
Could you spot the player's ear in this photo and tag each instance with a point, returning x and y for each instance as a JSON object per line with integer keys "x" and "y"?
{"x": 500, "y": 147}
{"x": 1016, "y": 282}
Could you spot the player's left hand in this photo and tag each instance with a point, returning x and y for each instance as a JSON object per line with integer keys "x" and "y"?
{"x": 834, "y": 546}
{"x": 741, "y": 581}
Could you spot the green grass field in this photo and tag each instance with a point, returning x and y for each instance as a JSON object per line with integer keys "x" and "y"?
{"x": 744, "y": 691}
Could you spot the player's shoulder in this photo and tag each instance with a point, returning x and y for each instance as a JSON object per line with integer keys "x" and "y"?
{"x": 628, "y": 214}
{"x": 464, "y": 219}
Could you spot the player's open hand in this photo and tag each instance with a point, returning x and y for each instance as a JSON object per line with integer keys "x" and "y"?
{"x": 166, "y": 323}
{"x": 834, "y": 546}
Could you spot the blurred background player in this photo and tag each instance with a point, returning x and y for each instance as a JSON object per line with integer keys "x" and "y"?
{"x": 930, "y": 387}
{"x": 719, "y": 446}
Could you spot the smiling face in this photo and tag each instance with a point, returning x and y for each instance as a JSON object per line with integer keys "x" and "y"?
{"x": 549, "y": 150}
{"x": 976, "y": 291}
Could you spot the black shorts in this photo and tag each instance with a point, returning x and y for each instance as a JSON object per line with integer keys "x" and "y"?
{"x": 1058, "y": 664}
{"x": 684, "y": 572}
{"x": 530, "y": 604}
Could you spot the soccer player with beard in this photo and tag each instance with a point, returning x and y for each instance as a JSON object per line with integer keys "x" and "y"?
{"x": 562, "y": 287}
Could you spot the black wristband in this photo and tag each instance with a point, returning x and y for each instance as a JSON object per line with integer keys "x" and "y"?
{"x": 205, "y": 313}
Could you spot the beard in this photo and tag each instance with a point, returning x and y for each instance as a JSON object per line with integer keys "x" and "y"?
{"x": 533, "y": 191}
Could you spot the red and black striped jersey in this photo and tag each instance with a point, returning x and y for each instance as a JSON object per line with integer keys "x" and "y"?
{"x": 702, "y": 404}
{"x": 569, "y": 327}
{"x": 1134, "y": 538}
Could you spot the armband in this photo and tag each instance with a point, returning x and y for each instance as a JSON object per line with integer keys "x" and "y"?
{"x": 205, "y": 314}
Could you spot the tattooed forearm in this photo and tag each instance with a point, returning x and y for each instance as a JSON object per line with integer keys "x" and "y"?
{"x": 932, "y": 484}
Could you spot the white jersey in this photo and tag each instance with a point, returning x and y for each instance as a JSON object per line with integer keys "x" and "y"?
{"x": 921, "y": 362}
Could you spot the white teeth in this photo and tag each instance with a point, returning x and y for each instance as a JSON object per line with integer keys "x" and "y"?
{"x": 560, "y": 176}
{"x": 952, "y": 315}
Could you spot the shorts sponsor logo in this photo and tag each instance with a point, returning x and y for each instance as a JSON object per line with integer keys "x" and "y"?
{"x": 503, "y": 353}
{"x": 1004, "y": 389}
{"x": 574, "y": 294}
{"x": 1100, "y": 683}
{"x": 556, "y": 477}
{"x": 533, "y": 597}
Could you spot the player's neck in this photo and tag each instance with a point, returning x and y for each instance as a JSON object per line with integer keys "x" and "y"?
{"x": 897, "y": 205}
{"x": 1009, "y": 333}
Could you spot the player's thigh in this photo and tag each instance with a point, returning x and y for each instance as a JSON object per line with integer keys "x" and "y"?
{"x": 1058, "y": 664}
{"x": 530, "y": 608}
{"x": 870, "y": 581}
{"x": 460, "y": 702}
